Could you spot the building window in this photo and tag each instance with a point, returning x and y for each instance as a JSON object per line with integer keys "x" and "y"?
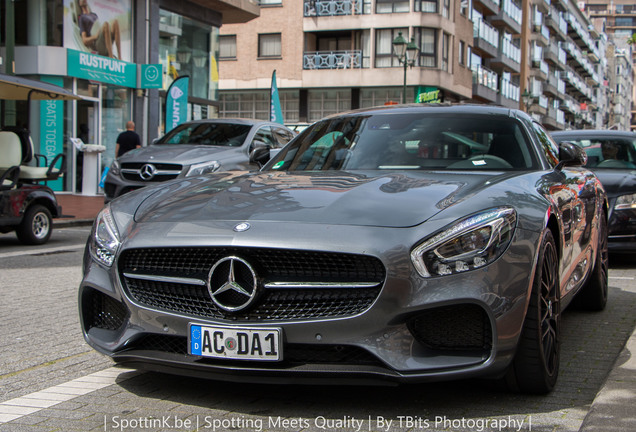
{"x": 445, "y": 51}
{"x": 391, "y": 6}
{"x": 426, "y": 6}
{"x": 462, "y": 53}
{"x": 445, "y": 8}
{"x": 325, "y": 102}
{"x": 371, "y": 97}
{"x": 227, "y": 47}
{"x": 426, "y": 38}
{"x": 255, "y": 104}
{"x": 384, "y": 47}
{"x": 269, "y": 45}
{"x": 464, "y": 7}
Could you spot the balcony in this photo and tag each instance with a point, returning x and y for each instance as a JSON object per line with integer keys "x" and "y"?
{"x": 332, "y": 60}
{"x": 509, "y": 56}
{"x": 509, "y": 94}
{"x": 510, "y": 16}
{"x": 320, "y": 8}
{"x": 485, "y": 83}
{"x": 486, "y": 38}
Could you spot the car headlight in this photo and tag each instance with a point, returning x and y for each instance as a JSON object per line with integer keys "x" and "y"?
{"x": 468, "y": 244}
{"x": 114, "y": 167}
{"x": 203, "y": 168}
{"x": 104, "y": 240}
{"x": 625, "y": 202}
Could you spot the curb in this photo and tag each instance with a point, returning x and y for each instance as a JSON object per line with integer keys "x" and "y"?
{"x": 65, "y": 223}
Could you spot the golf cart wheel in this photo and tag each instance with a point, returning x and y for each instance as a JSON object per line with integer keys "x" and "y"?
{"x": 36, "y": 226}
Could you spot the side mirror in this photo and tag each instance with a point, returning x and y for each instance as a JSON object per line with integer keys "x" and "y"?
{"x": 571, "y": 155}
{"x": 260, "y": 153}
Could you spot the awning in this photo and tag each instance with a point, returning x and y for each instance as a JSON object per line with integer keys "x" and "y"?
{"x": 18, "y": 88}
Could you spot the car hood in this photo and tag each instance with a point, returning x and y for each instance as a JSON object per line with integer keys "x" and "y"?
{"x": 335, "y": 198}
{"x": 184, "y": 154}
{"x": 617, "y": 182}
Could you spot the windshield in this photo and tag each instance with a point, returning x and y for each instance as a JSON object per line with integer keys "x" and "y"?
{"x": 418, "y": 141}
{"x": 607, "y": 152}
{"x": 212, "y": 134}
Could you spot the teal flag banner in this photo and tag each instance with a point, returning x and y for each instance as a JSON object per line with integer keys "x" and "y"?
{"x": 275, "y": 112}
{"x": 177, "y": 102}
{"x": 52, "y": 130}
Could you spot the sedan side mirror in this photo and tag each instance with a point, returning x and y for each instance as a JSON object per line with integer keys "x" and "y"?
{"x": 260, "y": 153}
{"x": 571, "y": 155}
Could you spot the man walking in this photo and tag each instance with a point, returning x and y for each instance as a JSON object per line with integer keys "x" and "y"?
{"x": 127, "y": 140}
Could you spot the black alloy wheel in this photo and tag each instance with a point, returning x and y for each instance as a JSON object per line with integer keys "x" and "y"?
{"x": 535, "y": 367}
{"x": 593, "y": 295}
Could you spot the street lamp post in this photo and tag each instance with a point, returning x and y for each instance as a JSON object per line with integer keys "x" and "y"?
{"x": 526, "y": 96}
{"x": 406, "y": 53}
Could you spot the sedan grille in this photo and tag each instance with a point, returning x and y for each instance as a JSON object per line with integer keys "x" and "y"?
{"x": 150, "y": 172}
{"x": 290, "y": 281}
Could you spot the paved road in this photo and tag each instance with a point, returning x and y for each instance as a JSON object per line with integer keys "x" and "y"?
{"x": 42, "y": 350}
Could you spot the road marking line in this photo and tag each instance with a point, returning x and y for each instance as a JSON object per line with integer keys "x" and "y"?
{"x": 41, "y": 251}
{"x": 24, "y": 405}
{"x": 622, "y": 277}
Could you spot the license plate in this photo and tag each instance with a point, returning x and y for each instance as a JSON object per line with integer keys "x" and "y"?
{"x": 235, "y": 342}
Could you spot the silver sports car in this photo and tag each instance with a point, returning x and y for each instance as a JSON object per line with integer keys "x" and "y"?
{"x": 401, "y": 244}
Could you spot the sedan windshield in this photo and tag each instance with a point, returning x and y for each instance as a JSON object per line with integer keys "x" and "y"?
{"x": 409, "y": 141}
{"x": 608, "y": 152}
{"x": 212, "y": 134}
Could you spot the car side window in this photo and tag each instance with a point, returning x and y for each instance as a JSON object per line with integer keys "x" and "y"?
{"x": 264, "y": 134}
{"x": 282, "y": 136}
{"x": 550, "y": 148}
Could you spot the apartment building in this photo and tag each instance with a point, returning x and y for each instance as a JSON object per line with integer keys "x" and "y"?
{"x": 617, "y": 18}
{"x": 335, "y": 55}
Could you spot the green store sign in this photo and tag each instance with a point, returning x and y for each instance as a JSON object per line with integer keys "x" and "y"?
{"x": 428, "y": 95}
{"x": 103, "y": 69}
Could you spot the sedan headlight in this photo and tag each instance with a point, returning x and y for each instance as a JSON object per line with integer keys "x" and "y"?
{"x": 104, "y": 240}
{"x": 469, "y": 244}
{"x": 625, "y": 202}
{"x": 115, "y": 167}
{"x": 203, "y": 168}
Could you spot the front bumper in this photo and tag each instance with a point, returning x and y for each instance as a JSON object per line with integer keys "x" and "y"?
{"x": 416, "y": 330}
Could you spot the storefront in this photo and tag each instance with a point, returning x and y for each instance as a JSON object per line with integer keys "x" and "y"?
{"x": 118, "y": 55}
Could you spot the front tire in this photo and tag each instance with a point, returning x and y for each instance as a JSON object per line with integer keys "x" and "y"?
{"x": 36, "y": 226}
{"x": 535, "y": 367}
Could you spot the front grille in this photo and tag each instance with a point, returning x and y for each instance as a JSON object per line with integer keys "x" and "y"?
{"x": 102, "y": 311}
{"x": 459, "y": 327}
{"x": 293, "y": 354}
{"x": 165, "y": 171}
{"x": 270, "y": 265}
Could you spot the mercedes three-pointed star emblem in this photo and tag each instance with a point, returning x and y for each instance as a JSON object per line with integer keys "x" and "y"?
{"x": 232, "y": 284}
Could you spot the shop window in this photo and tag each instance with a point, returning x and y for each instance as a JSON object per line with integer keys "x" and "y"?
{"x": 269, "y": 45}
{"x": 227, "y": 47}
{"x": 186, "y": 47}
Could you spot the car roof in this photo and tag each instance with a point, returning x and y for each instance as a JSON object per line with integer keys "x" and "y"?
{"x": 593, "y": 133}
{"x": 439, "y": 108}
{"x": 243, "y": 121}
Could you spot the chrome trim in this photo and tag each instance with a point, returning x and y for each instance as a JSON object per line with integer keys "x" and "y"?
{"x": 170, "y": 279}
{"x": 316, "y": 285}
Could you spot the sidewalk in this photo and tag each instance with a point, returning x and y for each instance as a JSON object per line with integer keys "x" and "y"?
{"x": 78, "y": 209}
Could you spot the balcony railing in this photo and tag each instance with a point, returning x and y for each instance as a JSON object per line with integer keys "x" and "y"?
{"x": 332, "y": 60}
{"x": 332, "y": 7}
{"x": 510, "y": 50}
{"x": 485, "y": 77}
{"x": 513, "y": 11}
{"x": 509, "y": 90}
{"x": 483, "y": 30}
